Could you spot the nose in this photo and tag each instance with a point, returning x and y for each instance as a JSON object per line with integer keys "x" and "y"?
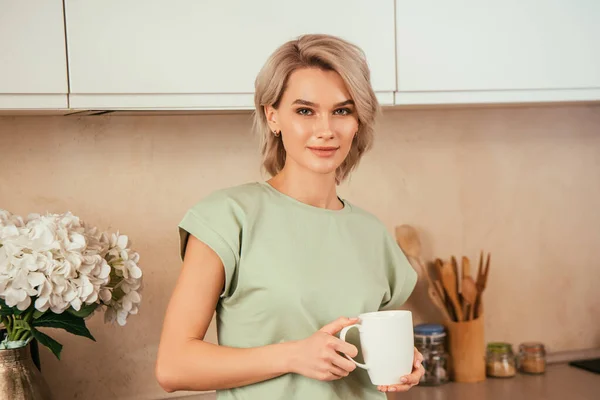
{"x": 324, "y": 128}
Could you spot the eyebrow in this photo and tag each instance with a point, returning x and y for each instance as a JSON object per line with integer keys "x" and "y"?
{"x": 311, "y": 104}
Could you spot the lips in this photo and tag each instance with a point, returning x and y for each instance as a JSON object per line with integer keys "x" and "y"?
{"x": 323, "y": 151}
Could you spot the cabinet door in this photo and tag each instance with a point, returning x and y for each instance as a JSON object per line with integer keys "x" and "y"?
{"x": 509, "y": 50}
{"x": 33, "y": 66}
{"x": 206, "y": 54}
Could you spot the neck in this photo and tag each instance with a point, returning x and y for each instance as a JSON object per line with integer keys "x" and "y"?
{"x": 318, "y": 190}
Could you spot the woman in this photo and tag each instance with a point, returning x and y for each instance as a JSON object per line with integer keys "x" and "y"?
{"x": 284, "y": 262}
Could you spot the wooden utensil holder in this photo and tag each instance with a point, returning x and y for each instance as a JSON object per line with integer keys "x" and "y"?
{"x": 466, "y": 345}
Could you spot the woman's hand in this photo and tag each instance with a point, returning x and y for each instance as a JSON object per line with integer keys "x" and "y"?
{"x": 317, "y": 356}
{"x": 408, "y": 381}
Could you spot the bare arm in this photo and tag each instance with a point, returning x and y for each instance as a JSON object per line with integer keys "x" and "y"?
{"x": 186, "y": 362}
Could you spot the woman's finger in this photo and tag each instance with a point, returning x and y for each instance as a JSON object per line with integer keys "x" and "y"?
{"x": 394, "y": 388}
{"x": 337, "y": 372}
{"x": 418, "y": 358}
{"x": 414, "y": 377}
{"x": 343, "y": 363}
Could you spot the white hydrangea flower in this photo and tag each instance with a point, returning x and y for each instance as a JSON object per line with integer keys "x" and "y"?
{"x": 60, "y": 262}
{"x": 126, "y": 281}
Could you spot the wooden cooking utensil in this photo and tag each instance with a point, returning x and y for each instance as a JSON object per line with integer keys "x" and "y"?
{"x": 466, "y": 266}
{"x": 469, "y": 295}
{"x": 439, "y": 266}
{"x": 482, "y": 275}
{"x": 410, "y": 243}
{"x": 440, "y": 289}
{"x": 435, "y": 299}
{"x": 449, "y": 283}
{"x": 456, "y": 273}
{"x": 469, "y": 290}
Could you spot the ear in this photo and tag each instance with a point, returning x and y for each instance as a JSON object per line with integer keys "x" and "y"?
{"x": 272, "y": 117}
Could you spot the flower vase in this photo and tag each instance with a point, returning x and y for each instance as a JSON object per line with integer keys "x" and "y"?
{"x": 20, "y": 379}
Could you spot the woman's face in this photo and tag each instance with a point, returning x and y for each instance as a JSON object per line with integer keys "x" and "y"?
{"x": 317, "y": 119}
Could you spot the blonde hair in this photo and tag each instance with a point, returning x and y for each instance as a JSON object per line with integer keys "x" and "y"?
{"x": 317, "y": 51}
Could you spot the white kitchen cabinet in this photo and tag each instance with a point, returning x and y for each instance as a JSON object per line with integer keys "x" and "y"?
{"x": 33, "y": 63}
{"x": 480, "y": 51}
{"x": 205, "y": 54}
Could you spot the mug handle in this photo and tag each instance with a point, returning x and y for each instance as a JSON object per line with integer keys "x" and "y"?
{"x": 343, "y": 337}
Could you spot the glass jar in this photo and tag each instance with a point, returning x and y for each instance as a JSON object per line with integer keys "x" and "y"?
{"x": 532, "y": 358}
{"x": 430, "y": 342}
{"x": 500, "y": 360}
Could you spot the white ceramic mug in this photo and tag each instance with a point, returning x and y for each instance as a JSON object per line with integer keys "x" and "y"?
{"x": 387, "y": 343}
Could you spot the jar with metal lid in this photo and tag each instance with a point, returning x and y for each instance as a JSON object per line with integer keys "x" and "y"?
{"x": 430, "y": 342}
{"x": 500, "y": 360}
{"x": 532, "y": 358}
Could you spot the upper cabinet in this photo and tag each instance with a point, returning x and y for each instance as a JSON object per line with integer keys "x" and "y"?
{"x": 33, "y": 62}
{"x": 190, "y": 54}
{"x": 206, "y": 54}
{"x": 473, "y": 51}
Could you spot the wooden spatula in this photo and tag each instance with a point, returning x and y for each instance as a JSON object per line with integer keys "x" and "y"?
{"x": 469, "y": 289}
{"x": 449, "y": 283}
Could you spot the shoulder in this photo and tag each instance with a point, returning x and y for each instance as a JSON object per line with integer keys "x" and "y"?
{"x": 367, "y": 218}
{"x": 241, "y": 197}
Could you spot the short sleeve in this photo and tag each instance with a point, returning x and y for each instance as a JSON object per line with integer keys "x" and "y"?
{"x": 401, "y": 276}
{"x": 217, "y": 221}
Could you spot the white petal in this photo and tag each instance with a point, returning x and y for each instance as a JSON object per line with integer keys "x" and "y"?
{"x": 134, "y": 297}
{"x": 92, "y": 298}
{"x": 122, "y": 241}
{"x": 24, "y": 305}
{"x": 42, "y": 304}
{"x": 122, "y": 317}
{"x": 126, "y": 304}
{"x": 77, "y": 242}
{"x": 105, "y": 295}
{"x": 87, "y": 287}
{"x": 70, "y": 294}
{"x": 135, "y": 272}
{"x": 36, "y": 278}
{"x": 105, "y": 271}
{"x": 14, "y": 297}
{"x": 76, "y": 304}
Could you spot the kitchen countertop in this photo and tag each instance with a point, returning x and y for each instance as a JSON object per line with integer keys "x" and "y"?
{"x": 561, "y": 381}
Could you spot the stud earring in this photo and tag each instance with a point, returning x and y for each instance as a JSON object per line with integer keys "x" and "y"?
{"x": 276, "y": 133}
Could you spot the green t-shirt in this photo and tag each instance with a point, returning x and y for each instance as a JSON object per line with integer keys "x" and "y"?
{"x": 290, "y": 269}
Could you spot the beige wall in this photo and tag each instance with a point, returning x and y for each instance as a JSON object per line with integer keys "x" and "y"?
{"x": 523, "y": 183}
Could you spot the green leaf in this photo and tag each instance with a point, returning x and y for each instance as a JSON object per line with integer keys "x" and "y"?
{"x": 47, "y": 341}
{"x": 66, "y": 321}
{"x": 4, "y": 309}
{"x": 37, "y": 314}
{"x": 84, "y": 311}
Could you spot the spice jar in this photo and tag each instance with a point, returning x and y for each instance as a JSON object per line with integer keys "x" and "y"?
{"x": 532, "y": 358}
{"x": 430, "y": 342}
{"x": 500, "y": 360}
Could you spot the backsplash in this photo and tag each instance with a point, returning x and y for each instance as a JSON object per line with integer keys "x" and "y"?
{"x": 521, "y": 183}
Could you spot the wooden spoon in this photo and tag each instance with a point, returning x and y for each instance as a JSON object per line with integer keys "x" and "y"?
{"x": 468, "y": 299}
{"x": 408, "y": 240}
{"x": 449, "y": 282}
{"x": 439, "y": 267}
{"x": 469, "y": 296}
{"x": 438, "y": 264}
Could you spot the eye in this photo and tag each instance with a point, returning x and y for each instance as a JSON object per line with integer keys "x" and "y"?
{"x": 304, "y": 111}
{"x": 343, "y": 111}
